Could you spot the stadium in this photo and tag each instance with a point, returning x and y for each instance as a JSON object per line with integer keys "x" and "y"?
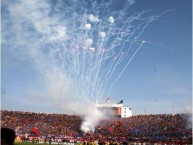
{"x": 120, "y": 127}
{"x": 62, "y": 58}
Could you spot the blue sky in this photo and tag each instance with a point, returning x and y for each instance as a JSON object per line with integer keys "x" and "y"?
{"x": 158, "y": 79}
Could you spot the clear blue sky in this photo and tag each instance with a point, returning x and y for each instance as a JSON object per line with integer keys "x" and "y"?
{"x": 158, "y": 79}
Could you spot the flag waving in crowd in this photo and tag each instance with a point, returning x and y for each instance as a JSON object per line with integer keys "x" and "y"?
{"x": 35, "y": 130}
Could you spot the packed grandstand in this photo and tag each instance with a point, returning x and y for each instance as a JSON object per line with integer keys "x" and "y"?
{"x": 59, "y": 128}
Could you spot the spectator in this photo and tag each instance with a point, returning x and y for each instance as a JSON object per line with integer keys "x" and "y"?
{"x": 7, "y": 136}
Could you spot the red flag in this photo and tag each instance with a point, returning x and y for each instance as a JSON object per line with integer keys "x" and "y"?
{"x": 118, "y": 123}
{"x": 111, "y": 129}
{"x": 35, "y": 130}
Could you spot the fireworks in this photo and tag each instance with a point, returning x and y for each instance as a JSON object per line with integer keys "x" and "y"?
{"x": 82, "y": 48}
{"x": 98, "y": 49}
{"x": 97, "y": 43}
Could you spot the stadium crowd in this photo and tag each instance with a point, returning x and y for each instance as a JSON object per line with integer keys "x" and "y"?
{"x": 60, "y": 127}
